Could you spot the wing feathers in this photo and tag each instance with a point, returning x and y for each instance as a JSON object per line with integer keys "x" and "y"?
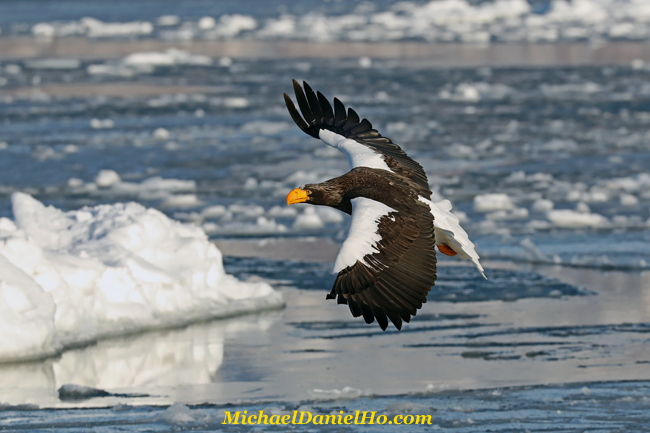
{"x": 303, "y": 104}
{"x": 326, "y": 108}
{"x": 295, "y": 115}
{"x": 318, "y": 115}
{"x": 391, "y": 282}
{"x": 313, "y": 103}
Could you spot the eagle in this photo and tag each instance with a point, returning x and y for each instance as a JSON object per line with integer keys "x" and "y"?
{"x": 387, "y": 264}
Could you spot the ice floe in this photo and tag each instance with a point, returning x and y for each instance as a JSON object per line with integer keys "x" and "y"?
{"x": 147, "y": 62}
{"x": 68, "y": 278}
{"x": 571, "y": 219}
{"x": 437, "y": 20}
{"x": 492, "y": 202}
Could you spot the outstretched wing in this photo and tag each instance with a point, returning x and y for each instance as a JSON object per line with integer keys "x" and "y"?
{"x": 363, "y": 145}
{"x": 387, "y": 264}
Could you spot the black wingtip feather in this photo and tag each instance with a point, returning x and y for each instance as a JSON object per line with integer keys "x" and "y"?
{"x": 295, "y": 115}
{"x": 326, "y": 108}
{"x": 313, "y": 103}
{"x": 303, "y": 104}
{"x": 339, "y": 113}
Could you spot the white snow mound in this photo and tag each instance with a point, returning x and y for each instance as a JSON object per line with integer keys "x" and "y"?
{"x": 67, "y": 278}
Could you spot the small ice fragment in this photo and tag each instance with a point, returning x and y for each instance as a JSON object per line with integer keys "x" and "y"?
{"x": 74, "y": 182}
{"x": 78, "y": 392}
{"x": 336, "y": 394}
{"x": 207, "y": 23}
{"x": 13, "y": 69}
{"x": 543, "y": 205}
{"x": 251, "y": 183}
{"x": 161, "y": 134}
{"x": 102, "y": 124}
{"x": 308, "y": 220}
{"x": 178, "y": 414}
{"x": 637, "y": 64}
{"x": 181, "y": 200}
{"x": 492, "y": 202}
{"x": 365, "y": 62}
{"x": 628, "y": 200}
{"x": 329, "y": 215}
{"x": 213, "y": 211}
{"x": 236, "y": 102}
{"x": 566, "y": 218}
{"x": 168, "y": 20}
{"x": 106, "y": 178}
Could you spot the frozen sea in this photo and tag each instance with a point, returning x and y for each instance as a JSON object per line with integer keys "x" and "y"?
{"x": 547, "y": 168}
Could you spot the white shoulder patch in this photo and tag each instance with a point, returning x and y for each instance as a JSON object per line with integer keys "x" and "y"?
{"x": 363, "y": 236}
{"x": 358, "y": 154}
{"x": 448, "y": 231}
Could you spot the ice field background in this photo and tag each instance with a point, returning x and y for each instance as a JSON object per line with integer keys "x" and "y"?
{"x": 546, "y": 167}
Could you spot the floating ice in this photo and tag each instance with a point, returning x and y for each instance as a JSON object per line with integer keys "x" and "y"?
{"x": 150, "y": 189}
{"x": 542, "y": 205}
{"x": 170, "y": 57}
{"x": 178, "y": 414}
{"x": 68, "y": 278}
{"x": 338, "y": 394}
{"x": 106, "y": 178}
{"x": 492, "y": 202}
{"x": 102, "y": 123}
{"x": 93, "y": 28}
{"x": 181, "y": 200}
{"x": 575, "y": 219}
{"x": 308, "y": 220}
{"x": 464, "y": 21}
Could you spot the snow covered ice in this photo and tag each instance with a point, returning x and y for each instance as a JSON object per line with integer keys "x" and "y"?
{"x": 68, "y": 278}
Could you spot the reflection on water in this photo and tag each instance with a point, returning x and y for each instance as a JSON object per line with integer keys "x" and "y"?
{"x": 189, "y": 356}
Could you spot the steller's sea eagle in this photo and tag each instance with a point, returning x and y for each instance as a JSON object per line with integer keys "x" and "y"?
{"x": 387, "y": 264}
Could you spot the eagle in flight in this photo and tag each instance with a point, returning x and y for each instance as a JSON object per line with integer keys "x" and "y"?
{"x": 387, "y": 264}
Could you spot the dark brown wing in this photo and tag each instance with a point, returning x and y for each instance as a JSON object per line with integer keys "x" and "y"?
{"x": 393, "y": 283}
{"x": 318, "y": 114}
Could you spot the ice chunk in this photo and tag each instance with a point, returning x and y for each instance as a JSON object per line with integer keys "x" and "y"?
{"x": 170, "y": 57}
{"x": 542, "y": 205}
{"x": 168, "y": 20}
{"x": 207, "y": 23}
{"x": 308, "y": 220}
{"x": 337, "y": 394}
{"x": 106, "y": 178}
{"x": 213, "y": 211}
{"x": 492, "y": 202}
{"x": 178, "y": 414}
{"x": 628, "y": 200}
{"x": 160, "y": 134}
{"x": 67, "y": 278}
{"x": 181, "y": 200}
{"x": 232, "y": 25}
{"x": 102, "y": 123}
{"x": 573, "y": 219}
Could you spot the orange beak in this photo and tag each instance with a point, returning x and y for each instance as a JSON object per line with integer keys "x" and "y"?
{"x": 297, "y": 196}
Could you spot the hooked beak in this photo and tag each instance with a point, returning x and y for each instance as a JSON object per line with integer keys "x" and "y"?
{"x": 297, "y": 196}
